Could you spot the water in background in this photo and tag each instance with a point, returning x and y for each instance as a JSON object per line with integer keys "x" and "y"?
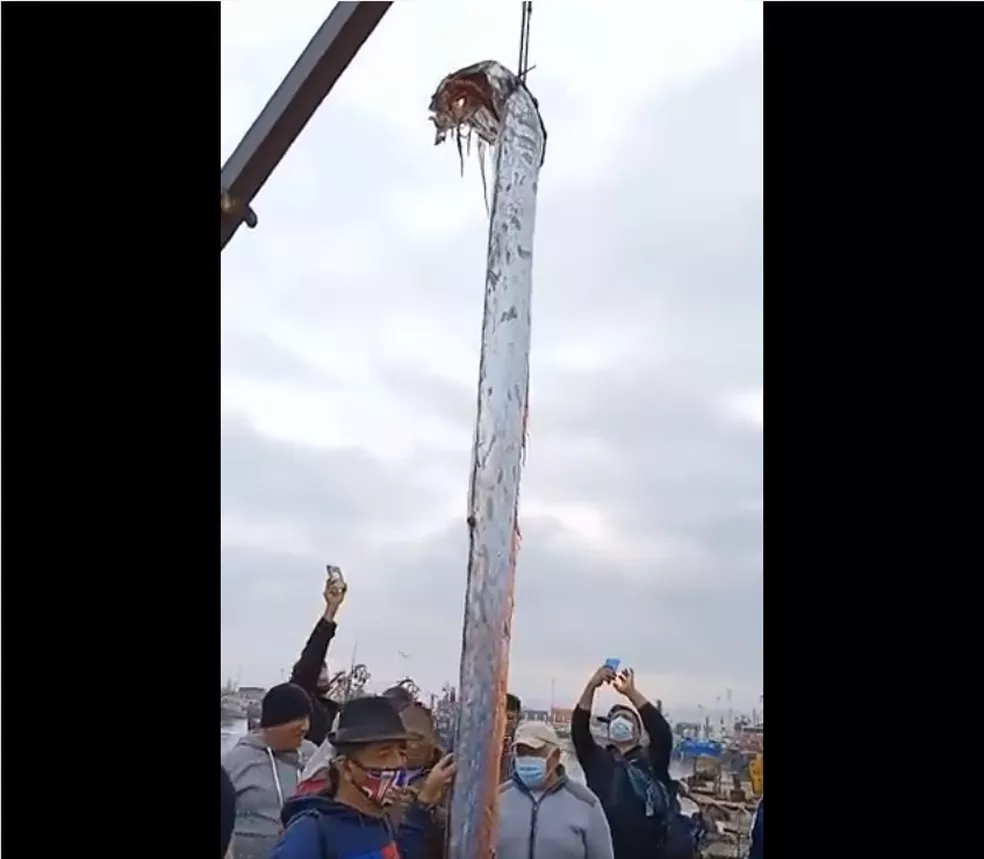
{"x": 232, "y": 731}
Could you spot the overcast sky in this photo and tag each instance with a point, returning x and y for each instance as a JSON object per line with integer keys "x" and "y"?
{"x": 350, "y": 337}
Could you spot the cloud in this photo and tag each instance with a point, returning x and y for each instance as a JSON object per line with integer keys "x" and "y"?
{"x": 351, "y": 324}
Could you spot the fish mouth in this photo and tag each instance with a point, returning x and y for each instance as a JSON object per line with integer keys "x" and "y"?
{"x": 470, "y": 101}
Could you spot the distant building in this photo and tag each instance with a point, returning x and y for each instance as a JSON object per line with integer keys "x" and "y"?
{"x": 561, "y": 716}
{"x": 251, "y": 694}
{"x": 536, "y": 715}
{"x": 750, "y": 738}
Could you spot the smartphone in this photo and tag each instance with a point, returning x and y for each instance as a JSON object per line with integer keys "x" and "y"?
{"x": 335, "y": 576}
{"x": 612, "y": 663}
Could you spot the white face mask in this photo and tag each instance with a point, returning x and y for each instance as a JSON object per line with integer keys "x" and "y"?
{"x": 621, "y": 730}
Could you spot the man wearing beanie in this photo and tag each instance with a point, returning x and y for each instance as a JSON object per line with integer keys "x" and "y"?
{"x": 264, "y": 767}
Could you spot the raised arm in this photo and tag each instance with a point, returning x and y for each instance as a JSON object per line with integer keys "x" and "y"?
{"x": 660, "y": 734}
{"x": 584, "y": 745}
{"x": 308, "y": 668}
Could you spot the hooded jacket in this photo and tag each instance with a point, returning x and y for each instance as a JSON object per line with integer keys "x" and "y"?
{"x": 565, "y": 821}
{"x": 263, "y": 780}
{"x": 634, "y": 835}
{"x": 319, "y": 827}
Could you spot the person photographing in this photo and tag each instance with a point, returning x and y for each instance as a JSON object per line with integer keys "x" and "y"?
{"x": 310, "y": 672}
{"x": 632, "y": 781}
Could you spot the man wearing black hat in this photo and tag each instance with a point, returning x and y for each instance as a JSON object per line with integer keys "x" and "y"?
{"x": 264, "y": 767}
{"x": 348, "y": 818}
{"x": 310, "y": 672}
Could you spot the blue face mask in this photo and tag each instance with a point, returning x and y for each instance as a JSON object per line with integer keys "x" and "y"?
{"x": 621, "y": 730}
{"x": 531, "y": 771}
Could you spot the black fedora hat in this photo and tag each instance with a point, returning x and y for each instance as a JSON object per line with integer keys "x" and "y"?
{"x": 368, "y": 720}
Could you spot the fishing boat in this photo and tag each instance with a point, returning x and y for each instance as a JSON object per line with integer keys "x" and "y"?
{"x": 725, "y": 796}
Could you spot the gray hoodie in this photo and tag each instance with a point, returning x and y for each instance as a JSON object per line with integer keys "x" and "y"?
{"x": 565, "y": 821}
{"x": 263, "y": 780}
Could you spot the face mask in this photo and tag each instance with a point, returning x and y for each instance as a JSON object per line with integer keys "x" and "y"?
{"x": 531, "y": 771}
{"x": 408, "y": 775}
{"x": 621, "y": 730}
{"x": 379, "y": 782}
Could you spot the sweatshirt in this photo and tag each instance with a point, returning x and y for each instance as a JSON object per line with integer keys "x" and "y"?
{"x": 319, "y": 827}
{"x": 565, "y": 821}
{"x": 262, "y": 780}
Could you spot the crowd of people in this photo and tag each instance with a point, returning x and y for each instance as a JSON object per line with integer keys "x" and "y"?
{"x": 370, "y": 778}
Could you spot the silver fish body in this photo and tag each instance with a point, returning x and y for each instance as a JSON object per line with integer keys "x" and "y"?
{"x": 497, "y": 464}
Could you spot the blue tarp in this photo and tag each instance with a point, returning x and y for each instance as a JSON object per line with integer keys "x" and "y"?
{"x": 696, "y": 748}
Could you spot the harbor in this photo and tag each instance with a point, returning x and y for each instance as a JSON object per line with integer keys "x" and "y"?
{"x": 718, "y": 768}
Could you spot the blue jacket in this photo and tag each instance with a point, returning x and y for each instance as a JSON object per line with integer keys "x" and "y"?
{"x": 755, "y": 851}
{"x": 318, "y": 827}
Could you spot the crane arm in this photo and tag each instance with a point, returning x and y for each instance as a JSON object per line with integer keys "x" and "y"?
{"x": 293, "y": 103}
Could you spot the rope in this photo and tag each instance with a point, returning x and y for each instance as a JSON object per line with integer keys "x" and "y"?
{"x": 524, "y": 41}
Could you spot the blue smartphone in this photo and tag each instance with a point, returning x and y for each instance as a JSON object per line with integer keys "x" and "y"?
{"x": 612, "y": 663}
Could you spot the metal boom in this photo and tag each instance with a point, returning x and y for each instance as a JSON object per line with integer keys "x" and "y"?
{"x": 293, "y": 103}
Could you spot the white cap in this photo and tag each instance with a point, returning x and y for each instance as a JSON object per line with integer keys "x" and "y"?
{"x": 536, "y": 735}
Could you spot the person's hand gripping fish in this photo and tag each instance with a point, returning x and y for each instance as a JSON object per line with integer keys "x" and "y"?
{"x": 437, "y": 781}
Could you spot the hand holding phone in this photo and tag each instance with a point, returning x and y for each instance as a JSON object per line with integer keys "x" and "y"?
{"x": 335, "y": 589}
{"x": 605, "y": 674}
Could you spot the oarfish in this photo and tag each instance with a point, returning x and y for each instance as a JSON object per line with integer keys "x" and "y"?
{"x": 488, "y": 101}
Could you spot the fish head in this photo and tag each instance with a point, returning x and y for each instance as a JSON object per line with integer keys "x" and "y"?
{"x": 471, "y": 100}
